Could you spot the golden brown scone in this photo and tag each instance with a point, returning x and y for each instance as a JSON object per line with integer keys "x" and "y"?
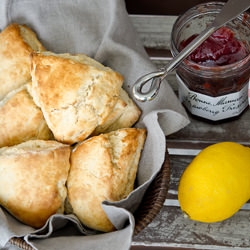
{"x": 32, "y": 180}
{"x": 113, "y": 116}
{"x": 129, "y": 116}
{"x": 20, "y": 119}
{"x": 124, "y": 115}
{"x": 75, "y": 93}
{"x": 16, "y": 44}
{"x": 103, "y": 168}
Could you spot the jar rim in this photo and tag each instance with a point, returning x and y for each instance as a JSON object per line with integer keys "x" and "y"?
{"x": 190, "y": 65}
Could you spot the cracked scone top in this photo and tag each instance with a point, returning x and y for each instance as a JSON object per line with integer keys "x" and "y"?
{"x": 75, "y": 93}
{"x": 110, "y": 176}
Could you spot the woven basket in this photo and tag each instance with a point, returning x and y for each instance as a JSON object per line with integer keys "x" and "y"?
{"x": 150, "y": 206}
{"x": 154, "y": 198}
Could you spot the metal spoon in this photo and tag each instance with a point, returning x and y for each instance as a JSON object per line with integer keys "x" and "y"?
{"x": 230, "y": 10}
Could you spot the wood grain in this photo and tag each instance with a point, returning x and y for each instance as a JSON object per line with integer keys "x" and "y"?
{"x": 154, "y": 31}
{"x": 171, "y": 229}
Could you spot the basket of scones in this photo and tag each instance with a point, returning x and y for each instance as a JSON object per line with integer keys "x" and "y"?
{"x": 66, "y": 137}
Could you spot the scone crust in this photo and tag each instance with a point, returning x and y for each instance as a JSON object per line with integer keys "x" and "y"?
{"x": 75, "y": 98}
{"x": 20, "y": 119}
{"x": 89, "y": 182}
{"x": 32, "y": 180}
{"x": 14, "y": 57}
{"x": 103, "y": 168}
{"x": 126, "y": 146}
{"x": 124, "y": 115}
{"x": 117, "y": 112}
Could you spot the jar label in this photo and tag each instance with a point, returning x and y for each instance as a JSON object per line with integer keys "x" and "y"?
{"x": 213, "y": 108}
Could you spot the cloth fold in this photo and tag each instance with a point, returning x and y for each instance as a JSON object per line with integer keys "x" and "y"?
{"x": 101, "y": 29}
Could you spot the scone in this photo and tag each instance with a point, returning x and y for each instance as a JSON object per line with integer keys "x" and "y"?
{"x": 124, "y": 115}
{"x": 103, "y": 168}
{"x": 20, "y": 119}
{"x": 16, "y": 44}
{"x": 32, "y": 180}
{"x": 76, "y": 93}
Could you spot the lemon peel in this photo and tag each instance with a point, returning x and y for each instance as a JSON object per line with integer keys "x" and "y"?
{"x": 216, "y": 184}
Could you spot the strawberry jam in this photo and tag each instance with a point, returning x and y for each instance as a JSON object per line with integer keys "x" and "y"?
{"x": 221, "y": 48}
{"x": 213, "y": 80}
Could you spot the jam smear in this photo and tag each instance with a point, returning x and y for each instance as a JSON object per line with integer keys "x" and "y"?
{"x": 221, "y": 48}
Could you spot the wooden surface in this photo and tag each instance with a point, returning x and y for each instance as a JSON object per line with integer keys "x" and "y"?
{"x": 170, "y": 230}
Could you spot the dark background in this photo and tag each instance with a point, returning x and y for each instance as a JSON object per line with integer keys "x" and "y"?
{"x": 162, "y": 7}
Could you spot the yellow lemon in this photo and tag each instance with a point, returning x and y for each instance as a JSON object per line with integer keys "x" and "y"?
{"x": 216, "y": 184}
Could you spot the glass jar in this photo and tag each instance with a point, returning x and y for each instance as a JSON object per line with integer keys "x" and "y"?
{"x": 212, "y": 92}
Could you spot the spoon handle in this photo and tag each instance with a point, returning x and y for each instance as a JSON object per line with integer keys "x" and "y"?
{"x": 155, "y": 86}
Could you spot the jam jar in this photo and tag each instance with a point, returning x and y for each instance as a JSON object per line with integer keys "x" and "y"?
{"x": 213, "y": 80}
